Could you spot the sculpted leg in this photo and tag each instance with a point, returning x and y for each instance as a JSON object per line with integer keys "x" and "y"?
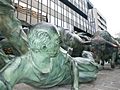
{"x": 76, "y": 76}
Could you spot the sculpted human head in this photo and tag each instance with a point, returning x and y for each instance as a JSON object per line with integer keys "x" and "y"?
{"x": 44, "y": 38}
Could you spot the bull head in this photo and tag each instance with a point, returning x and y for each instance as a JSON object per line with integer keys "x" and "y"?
{"x": 71, "y": 39}
{"x": 100, "y": 40}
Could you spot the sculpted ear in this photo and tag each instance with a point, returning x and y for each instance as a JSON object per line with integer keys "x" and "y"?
{"x": 44, "y": 47}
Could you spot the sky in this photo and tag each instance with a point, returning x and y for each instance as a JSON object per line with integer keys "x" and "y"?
{"x": 110, "y": 9}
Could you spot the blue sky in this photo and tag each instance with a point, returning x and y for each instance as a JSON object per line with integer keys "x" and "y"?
{"x": 110, "y": 9}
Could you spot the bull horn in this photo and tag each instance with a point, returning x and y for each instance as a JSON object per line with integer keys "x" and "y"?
{"x": 78, "y": 39}
{"x": 86, "y": 42}
{"x": 111, "y": 44}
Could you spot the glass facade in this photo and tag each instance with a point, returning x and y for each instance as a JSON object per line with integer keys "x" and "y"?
{"x": 55, "y": 12}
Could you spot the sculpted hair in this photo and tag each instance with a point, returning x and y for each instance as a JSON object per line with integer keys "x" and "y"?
{"x": 38, "y": 39}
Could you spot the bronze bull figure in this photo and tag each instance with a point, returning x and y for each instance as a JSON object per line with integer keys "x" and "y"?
{"x": 104, "y": 48}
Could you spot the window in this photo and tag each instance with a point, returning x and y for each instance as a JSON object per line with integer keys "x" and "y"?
{"x": 49, "y": 18}
{"x": 15, "y": 1}
{"x": 59, "y": 22}
{"x": 38, "y": 0}
{"x": 52, "y": 19}
{"x": 82, "y": 22}
{"x": 77, "y": 1}
{"x": 55, "y": 7}
{"x": 44, "y": 2}
{"x": 71, "y": 27}
{"x": 34, "y": 9}
{"x": 69, "y": 15}
{"x": 56, "y": 21}
{"x": 59, "y": 9}
{"x": 43, "y": 13}
{"x": 48, "y": 3}
{"x": 65, "y": 12}
{"x": 74, "y": 18}
{"x": 65, "y": 25}
{"x": 22, "y": 4}
{"x": 62, "y": 11}
{"x": 52, "y": 5}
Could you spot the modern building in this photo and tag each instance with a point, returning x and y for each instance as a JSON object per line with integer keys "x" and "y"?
{"x": 70, "y": 14}
{"x": 100, "y": 21}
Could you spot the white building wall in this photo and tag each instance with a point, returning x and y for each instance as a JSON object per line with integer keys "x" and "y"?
{"x": 100, "y": 21}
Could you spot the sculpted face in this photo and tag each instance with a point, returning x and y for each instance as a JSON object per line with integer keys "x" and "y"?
{"x": 44, "y": 40}
{"x": 54, "y": 45}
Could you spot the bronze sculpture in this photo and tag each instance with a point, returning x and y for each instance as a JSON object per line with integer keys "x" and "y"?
{"x": 10, "y": 26}
{"x": 42, "y": 63}
{"x": 11, "y": 30}
{"x": 104, "y": 48}
{"x": 72, "y": 42}
{"x": 45, "y": 65}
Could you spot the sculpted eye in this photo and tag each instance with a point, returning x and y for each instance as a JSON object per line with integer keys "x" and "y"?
{"x": 44, "y": 47}
{"x": 57, "y": 42}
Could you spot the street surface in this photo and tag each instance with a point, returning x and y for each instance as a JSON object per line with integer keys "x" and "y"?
{"x": 107, "y": 79}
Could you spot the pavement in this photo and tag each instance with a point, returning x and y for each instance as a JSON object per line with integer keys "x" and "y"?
{"x": 107, "y": 79}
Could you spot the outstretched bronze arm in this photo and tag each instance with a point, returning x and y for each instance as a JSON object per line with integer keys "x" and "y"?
{"x": 11, "y": 28}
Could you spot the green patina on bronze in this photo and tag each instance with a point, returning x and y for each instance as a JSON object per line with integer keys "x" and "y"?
{"x": 45, "y": 64}
{"x": 72, "y": 41}
{"x": 42, "y": 63}
{"x": 11, "y": 28}
{"x": 104, "y": 47}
